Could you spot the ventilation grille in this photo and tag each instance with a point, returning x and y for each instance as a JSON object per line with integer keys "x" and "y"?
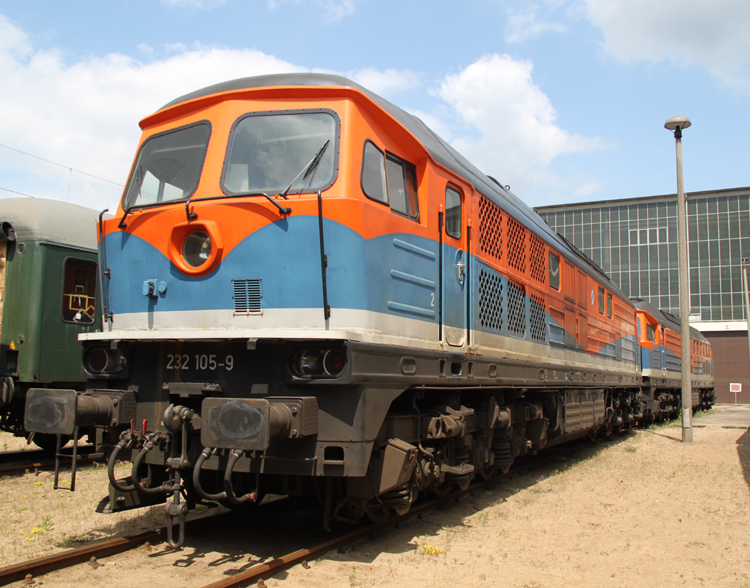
{"x": 247, "y": 296}
{"x": 538, "y": 260}
{"x": 538, "y": 317}
{"x": 490, "y": 229}
{"x": 516, "y": 245}
{"x": 516, "y": 309}
{"x": 490, "y": 301}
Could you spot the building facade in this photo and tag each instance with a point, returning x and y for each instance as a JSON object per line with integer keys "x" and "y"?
{"x": 635, "y": 242}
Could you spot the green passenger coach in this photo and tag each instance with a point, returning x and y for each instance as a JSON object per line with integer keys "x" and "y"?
{"x": 48, "y": 291}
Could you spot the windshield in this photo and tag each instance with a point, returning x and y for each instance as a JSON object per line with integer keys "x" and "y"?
{"x": 267, "y": 152}
{"x": 168, "y": 167}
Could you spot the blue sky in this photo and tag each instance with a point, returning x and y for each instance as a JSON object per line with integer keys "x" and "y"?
{"x": 564, "y": 100}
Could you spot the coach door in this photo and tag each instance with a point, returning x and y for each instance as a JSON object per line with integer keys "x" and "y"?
{"x": 454, "y": 264}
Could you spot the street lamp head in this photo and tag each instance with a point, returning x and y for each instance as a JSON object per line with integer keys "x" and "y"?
{"x": 677, "y": 123}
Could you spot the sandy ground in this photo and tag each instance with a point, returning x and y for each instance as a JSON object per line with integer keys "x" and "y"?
{"x": 641, "y": 509}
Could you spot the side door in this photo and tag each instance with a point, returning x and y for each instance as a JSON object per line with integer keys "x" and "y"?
{"x": 663, "y": 350}
{"x": 454, "y": 269}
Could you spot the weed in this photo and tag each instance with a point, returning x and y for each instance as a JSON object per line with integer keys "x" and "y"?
{"x": 431, "y": 549}
{"x": 353, "y": 577}
{"x": 631, "y": 449}
{"x": 47, "y": 523}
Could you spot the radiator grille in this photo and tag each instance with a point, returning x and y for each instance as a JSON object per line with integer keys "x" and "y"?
{"x": 538, "y": 259}
{"x": 490, "y": 229}
{"x": 247, "y": 296}
{"x": 490, "y": 301}
{"x": 516, "y": 245}
{"x": 538, "y": 317}
{"x": 516, "y": 309}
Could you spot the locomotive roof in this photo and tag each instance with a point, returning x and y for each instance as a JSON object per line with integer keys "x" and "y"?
{"x": 437, "y": 147}
{"x": 40, "y": 219}
{"x": 666, "y": 318}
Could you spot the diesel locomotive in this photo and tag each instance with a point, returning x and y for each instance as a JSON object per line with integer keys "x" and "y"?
{"x": 48, "y": 291}
{"x": 307, "y": 291}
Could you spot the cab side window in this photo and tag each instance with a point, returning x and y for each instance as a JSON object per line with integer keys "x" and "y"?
{"x": 601, "y": 300}
{"x": 373, "y": 173}
{"x": 609, "y": 305}
{"x": 387, "y": 179}
{"x": 554, "y": 271}
{"x": 453, "y": 212}
{"x": 650, "y": 333}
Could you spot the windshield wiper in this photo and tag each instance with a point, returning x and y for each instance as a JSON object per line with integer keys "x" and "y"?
{"x": 308, "y": 169}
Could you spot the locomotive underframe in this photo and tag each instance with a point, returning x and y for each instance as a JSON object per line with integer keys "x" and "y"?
{"x": 395, "y": 422}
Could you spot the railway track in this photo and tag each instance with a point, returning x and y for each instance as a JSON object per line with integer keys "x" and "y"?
{"x": 18, "y": 462}
{"x": 102, "y": 549}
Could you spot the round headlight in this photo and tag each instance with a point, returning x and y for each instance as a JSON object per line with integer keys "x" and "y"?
{"x": 196, "y": 249}
{"x": 100, "y": 360}
{"x": 334, "y": 362}
{"x": 97, "y": 359}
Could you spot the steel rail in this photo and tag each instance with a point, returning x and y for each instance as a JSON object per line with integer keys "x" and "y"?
{"x": 17, "y": 462}
{"x": 100, "y": 549}
{"x": 50, "y": 563}
{"x": 271, "y": 568}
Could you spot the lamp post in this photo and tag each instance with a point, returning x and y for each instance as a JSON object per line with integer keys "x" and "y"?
{"x": 676, "y": 124}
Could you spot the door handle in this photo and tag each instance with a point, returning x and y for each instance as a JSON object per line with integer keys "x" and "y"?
{"x": 461, "y": 266}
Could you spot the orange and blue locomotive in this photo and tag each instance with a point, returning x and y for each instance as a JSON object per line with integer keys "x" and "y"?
{"x": 308, "y": 291}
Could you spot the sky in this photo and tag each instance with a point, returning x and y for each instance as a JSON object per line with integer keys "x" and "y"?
{"x": 563, "y": 100}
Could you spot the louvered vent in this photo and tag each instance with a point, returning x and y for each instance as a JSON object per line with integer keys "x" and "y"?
{"x": 490, "y": 229}
{"x": 247, "y": 296}
{"x": 490, "y": 301}
{"x": 516, "y": 309}
{"x": 538, "y": 260}
{"x": 516, "y": 245}
{"x": 538, "y": 317}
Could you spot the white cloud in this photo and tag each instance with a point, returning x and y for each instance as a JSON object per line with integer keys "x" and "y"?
{"x": 510, "y": 128}
{"x": 525, "y": 23}
{"x": 385, "y": 83}
{"x": 84, "y": 115}
{"x": 712, "y": 34}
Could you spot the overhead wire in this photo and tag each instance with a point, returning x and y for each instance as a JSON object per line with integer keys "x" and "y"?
{"x": 72, "y": 169}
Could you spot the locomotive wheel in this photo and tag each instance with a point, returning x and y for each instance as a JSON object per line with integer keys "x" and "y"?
{"x": 377, "y": 512}
{"x": 440, "y": 490}
{"x": 487, "y": 472}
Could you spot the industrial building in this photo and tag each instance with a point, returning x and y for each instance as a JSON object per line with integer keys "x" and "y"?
{"x": 635, "y": 242}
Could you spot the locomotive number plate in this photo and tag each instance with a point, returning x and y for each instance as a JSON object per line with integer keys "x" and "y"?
{"x": 199, "y": 361}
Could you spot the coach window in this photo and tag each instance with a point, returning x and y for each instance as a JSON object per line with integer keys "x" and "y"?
{"x": 554, "y": 271}
{"x": 453, "y": 213}
{"x": 373, "y": 173}
{"x": 79, "y": 291}
{"x": 609, "y": 305}
{"x": 601, "y": 300}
